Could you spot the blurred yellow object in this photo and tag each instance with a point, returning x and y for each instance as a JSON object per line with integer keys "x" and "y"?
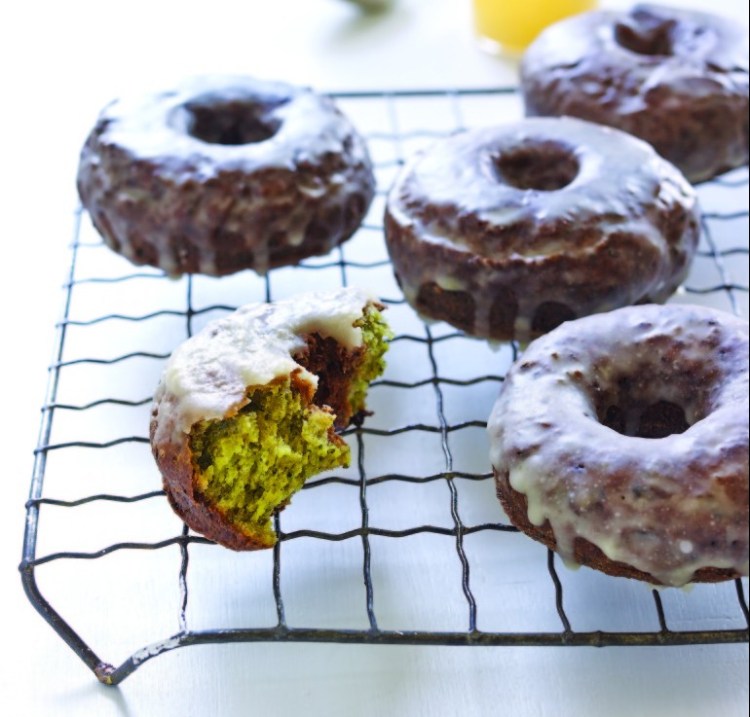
{"x": 511, "y": 25}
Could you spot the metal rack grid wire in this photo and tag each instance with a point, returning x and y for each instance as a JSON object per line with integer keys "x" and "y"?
{"x": 430, "y": 411}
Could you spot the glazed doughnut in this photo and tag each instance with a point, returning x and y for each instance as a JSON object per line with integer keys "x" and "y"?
{"x": 223, "y": 174}
{"x": 245, "y": 410}
{"x": 675, "y": 78}
{"x": 507, "y": 231}
{"x": 621, "y": 441}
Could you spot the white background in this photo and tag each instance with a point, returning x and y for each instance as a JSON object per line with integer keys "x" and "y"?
{"x": 61, "y": 62}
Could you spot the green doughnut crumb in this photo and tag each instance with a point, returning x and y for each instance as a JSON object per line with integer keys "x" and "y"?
{"x": 375, "y": 336}
{"x": 249, "y": 465}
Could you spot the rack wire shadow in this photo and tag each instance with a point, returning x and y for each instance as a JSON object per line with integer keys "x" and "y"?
{"x": 395, "y": 123}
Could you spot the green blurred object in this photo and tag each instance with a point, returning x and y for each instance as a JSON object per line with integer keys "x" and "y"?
{"x": 373, "y": 5}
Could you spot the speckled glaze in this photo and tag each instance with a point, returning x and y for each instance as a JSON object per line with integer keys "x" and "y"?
{"x": 676, "y": 78}
{"x": 223, "y": 174}
{"x": 669, "y": 510}
{"x": 502, "y": 261}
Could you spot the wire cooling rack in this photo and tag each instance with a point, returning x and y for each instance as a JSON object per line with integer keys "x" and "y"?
{"x": 408, "y": 545}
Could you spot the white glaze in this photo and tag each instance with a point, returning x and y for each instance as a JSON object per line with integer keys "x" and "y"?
{"x": 156, "y": 127}
{"x": 655, "y": 504}
{"x": 207, "y": 376}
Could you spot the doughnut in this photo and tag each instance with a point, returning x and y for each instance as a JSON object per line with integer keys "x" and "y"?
{"x": 247, "y": 409}
{"x": 506, "y": 232}
{"x": 224, "y": 173}
{"x": 620, "y": 441}
{"x": 677, "y": 79}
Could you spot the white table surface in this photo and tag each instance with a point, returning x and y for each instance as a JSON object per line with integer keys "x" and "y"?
{"x": 61, "y": 63}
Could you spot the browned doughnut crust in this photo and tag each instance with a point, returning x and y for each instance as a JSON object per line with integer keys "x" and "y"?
{"x": 584, "y": 552}
{"x": 223, "y": 174}
{"x": 505, "y": 232}
{"x": 621, "y": 442}
{"x": 675, "y": 78}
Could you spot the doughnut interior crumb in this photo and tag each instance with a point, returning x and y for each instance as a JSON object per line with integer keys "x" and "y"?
{"x": 375, "y": 336}
{"x": 249, "y": 465}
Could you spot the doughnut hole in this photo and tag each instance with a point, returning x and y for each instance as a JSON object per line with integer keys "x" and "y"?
{"x": 658, "y": 420}
{"x": 645, "y": 404}
{"x": 542, "y": 165}
{"x": 645, "y": 33}
{"x": 230, "y": 123}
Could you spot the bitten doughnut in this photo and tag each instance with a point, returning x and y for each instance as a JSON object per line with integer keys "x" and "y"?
{"x": 675, "y": 78}
{"x": 246, "y": 409}
{"x": 621, "y": 441}
{"x": 223, "y": 174}
{"x": 507, "y": 231}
